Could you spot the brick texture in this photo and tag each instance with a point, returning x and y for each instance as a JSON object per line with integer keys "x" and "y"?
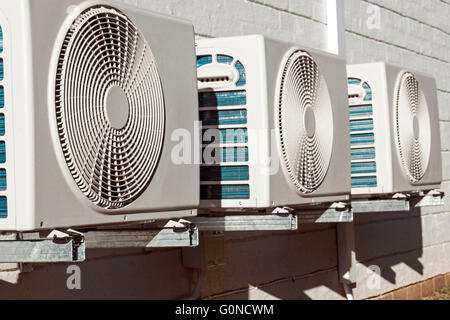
{"x": 428, "y": 288}
{"x": 439, "y": 283}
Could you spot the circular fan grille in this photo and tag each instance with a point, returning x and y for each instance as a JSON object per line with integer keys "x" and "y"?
{"x": 412, "y": 127}
{"x": 109, "y": 107}
{"x": 305, "y": 123}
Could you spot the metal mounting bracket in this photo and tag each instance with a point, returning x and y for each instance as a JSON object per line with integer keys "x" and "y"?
{"x": 427, "y": 199}
{"x": 338, "y": 212}
{"x": 395, "y": 204}
{"x": 180, "y": 233}
{"x": 56, "y": 246}
{"x": 256, "y": 222}
{"x": 399, "y": 202}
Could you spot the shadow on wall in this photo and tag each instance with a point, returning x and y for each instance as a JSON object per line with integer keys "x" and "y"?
{"x": 296, "y": 265}
{"x": 285, "y": 265}
{"x": 299, "y": 265}
{"x": 389, "y": 242}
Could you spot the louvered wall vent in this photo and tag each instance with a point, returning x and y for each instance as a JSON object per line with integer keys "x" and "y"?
{"x": 305, "y": 122}
{"x": 412, "y": 127}
{"x": 109, "y": 107}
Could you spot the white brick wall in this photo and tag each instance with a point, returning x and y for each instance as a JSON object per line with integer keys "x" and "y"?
{"x": 409, "y": 247}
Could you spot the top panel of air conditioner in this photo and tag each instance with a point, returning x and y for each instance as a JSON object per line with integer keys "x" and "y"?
{"x": 92, "y": 92}
{"x": 394, "y": 123}
{"x": 274, "y": 119}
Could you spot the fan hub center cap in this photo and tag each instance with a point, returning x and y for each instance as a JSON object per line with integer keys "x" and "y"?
{"x": 416, "y": 127}
{"x": 309, "y": 121}
{"x": 117, "y": 108}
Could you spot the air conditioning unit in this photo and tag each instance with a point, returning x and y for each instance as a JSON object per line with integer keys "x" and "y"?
{"x": 394, "y": 124}
{"x": 274, "y": 124}
{"x": 90, "y": 94}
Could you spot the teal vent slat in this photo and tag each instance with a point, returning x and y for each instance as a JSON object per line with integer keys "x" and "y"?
{"x": 361, "y": 111}
{"x": 363, "y": 154}
{"x": 226, "y": 155}
{"x": 203, "y": 60}
{"x": 234, "y": 155}
{"x": 3, "y": 183}
{"x": 1, "y": 39}
{"x": 225, "y": 192}
{"x": 222, "y": 99}
{"x": 223, "y": 117}
{"x": 242, "y": 74}
{"x": 2, "y": 71}
{"x": 364, "y": 182}
{"x": 2, "y": 97}
{"x": 361, "y": 168}
{"x": 221, "y": 58}
{"x": 2, "y": 125}
{"x": 361, "y": 125}
{"x": 227, "y": 136}
{"x": 362, "y": 138}
{"x": 354, "y": 81}
{"x": 368, "y": 90}
{"x": 2, "y": 152}
{"x": 230, "y": 173}
{"x": 3, "y": 208}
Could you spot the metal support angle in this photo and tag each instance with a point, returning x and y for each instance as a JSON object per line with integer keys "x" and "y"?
{"x": 427, "y": 199}
{"x": 254, "y": 222}
{"x": 172, "y": 234}
{"x": 280, "y": 219}
{"x": 338, "y": 212}
{"x": 56, "y": 246}
{"x": 398, "y": 202}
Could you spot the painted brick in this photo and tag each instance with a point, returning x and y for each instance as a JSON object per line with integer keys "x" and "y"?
{"x": 414, "y": 292}
{"x": 428, "y": 288}
{"x": 439, "y": 282}
{"x": 401, "y": 294}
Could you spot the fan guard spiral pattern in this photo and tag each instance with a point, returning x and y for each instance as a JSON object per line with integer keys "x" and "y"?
{"x": 412, "y": 127}
{"x": 103, "y": 49}
{"x": 305, "y": 122}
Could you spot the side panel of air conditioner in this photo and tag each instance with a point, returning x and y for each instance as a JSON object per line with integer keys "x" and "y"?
{"x": 232, "y": 110}
{"x": 16, "y": 98}
{"x": 369, "y": 135}
{"x": 362, "y": 136}
{"x": 6, "y": 136}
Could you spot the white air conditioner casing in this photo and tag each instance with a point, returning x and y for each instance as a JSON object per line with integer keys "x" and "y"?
{"x": 395, "y": 139}
{"x": 250, "y": 94}
{"x": 92, "y": 93}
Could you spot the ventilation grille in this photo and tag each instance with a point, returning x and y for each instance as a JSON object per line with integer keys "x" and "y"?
{"x": 412, "y": 127}
{"x": 3, "y": 134}
{"x": 306, "y": 144}
{"x": 362, "y": 135}
{"x": 102, "y": 50}
{"x": 225, "y": 156}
